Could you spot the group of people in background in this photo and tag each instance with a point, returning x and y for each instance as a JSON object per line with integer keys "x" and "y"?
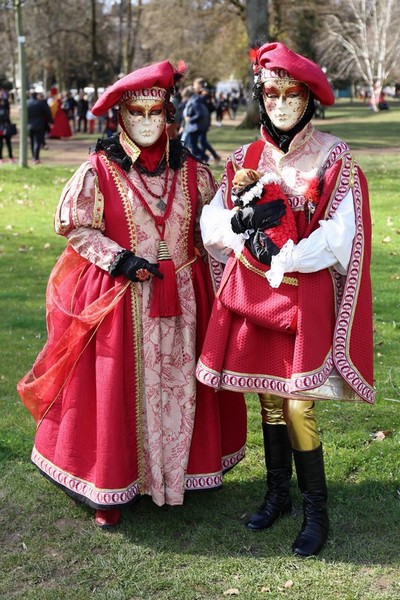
{"x": 59, "y": 116}
{"x": 195, "y": 106}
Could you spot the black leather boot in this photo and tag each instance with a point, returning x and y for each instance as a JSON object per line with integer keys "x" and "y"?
{"x": 312, "y": 484}
{"x": 278, "y": 460}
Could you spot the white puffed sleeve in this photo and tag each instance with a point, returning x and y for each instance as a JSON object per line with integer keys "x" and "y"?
{"x": 328, "y": 246}
{"x": 218, "y": 237}
{"x": 79, "y": 217}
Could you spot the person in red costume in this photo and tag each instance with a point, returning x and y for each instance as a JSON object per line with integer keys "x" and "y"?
{"x": 119, "y": 412}
{"x": 297, "y": 325}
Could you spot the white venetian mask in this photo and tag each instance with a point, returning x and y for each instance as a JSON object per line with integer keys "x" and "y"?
{"x": 144, "y": 119}
{"x": 285, "y": 102}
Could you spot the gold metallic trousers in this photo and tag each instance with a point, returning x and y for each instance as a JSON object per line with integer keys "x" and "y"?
{"x": 299, "y": 417}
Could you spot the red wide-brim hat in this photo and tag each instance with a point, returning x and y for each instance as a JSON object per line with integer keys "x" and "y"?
{"x": 275, "y": 55}
{"x": 161, "y": 75}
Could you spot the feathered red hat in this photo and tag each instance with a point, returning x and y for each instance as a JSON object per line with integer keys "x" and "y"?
{"x": 269, "y": 58}
{"x": 160, "y": 75}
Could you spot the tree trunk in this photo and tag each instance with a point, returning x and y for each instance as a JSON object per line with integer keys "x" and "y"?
{"x": 131, "y": 33}
{"x": 23, "y": 136}
{"x": 257, "y": 20}
{"x": 94, "y": 49}
{"x": 257, "y": 31}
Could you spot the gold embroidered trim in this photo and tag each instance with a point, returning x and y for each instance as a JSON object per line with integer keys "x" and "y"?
{"x": 188, "y": 203}
{"x": 248, "y": 265}
{"x": 128, "y": 145}
{"x": 135, "y": 303}
{"x": 137, "y": 327}
{"x": 351, "y": 180}
{"x": 186, "y": 264}
{"x": 98, "y": 209}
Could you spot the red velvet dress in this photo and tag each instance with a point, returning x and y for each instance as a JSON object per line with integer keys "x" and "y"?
{"x": 114, "y": 391}
{"x": 61, "y": 127}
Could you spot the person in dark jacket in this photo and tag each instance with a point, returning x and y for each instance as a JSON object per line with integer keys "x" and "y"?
{"x": 39, "y": 116}
{"x": 5, "y": 135}
{"x": 82, "y": 109}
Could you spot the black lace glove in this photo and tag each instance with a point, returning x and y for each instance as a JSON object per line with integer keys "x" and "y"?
{"x": 128, "y": 264}
{"x": 262, "y": 247}
{"x": 260, "y": 216}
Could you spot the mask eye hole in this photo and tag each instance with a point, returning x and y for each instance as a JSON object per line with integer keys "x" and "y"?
{"x": 135, "y": 112}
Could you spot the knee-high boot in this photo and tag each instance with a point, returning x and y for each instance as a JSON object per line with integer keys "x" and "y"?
{"x": 278, "y": 460}
{"x": 312, "y": 484}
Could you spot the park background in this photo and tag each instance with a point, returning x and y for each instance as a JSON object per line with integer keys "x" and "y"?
{"x": 50, "y": 546}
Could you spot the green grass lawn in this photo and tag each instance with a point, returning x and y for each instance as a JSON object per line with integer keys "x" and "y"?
{"x": 50, "y": 547}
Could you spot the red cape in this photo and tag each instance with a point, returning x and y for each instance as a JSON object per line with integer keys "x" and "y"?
{"x": 334, "y": 325}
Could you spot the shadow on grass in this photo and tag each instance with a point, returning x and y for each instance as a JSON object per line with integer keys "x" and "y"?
{"x": 363, "y": 530}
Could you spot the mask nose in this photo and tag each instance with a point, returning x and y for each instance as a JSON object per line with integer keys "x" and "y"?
{"x": 280, "y": 101}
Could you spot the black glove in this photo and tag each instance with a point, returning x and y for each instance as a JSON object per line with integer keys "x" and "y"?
{"x": 262, "y": 247}
{"x": 128, "y": 264}
{"x": 260, "y": 216}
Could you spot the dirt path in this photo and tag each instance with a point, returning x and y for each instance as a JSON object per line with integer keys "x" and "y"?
{"x": 75, "y": 150}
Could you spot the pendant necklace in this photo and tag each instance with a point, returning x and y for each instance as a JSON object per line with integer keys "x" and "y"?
{"x": 161, "y": 204}
{"x": 159, "y": 221}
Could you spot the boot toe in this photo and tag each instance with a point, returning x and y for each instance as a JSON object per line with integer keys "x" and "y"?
{"x": 310, "y": 543}
{"x": 266, "y": 516}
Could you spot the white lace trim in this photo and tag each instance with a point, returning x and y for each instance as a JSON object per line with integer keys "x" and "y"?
{"x": 278, "y": 265}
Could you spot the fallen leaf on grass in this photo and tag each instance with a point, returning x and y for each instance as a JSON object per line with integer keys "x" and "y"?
{"x": 386, "y": 240}
{"x": 287, "y": 585}
{"x": 231, "y": 592}
{"x": 266, "y": 589}
{"x": 381, "y": 435}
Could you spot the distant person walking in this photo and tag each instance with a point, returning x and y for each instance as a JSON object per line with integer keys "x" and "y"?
{"x": 81, "y": 110}
{"x": 39, "y": 115}
{"x": 204, "y": 143}
{"x": 196, "y": 119}
{"x": 5, "y": 131}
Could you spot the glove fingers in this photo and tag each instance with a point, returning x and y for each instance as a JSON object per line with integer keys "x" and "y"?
{"x": 152, "y": 268}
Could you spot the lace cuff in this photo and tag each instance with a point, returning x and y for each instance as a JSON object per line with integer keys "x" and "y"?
{"x": 278, "y": 265}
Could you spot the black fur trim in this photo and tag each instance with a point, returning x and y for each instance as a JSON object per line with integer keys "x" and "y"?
{"x": 112, "y": 148}
{"x": 114, "y": 151}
